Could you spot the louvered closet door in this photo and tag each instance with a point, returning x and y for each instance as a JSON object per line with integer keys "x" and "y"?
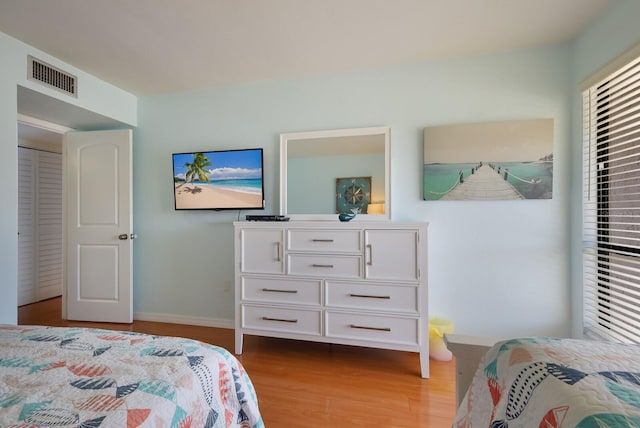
{"x": 49, "y": 226}
{"x": 39, "y": 225}
{"x": 26, "y": 226}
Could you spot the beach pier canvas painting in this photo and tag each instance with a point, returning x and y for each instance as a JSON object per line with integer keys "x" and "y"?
{"x": 218, "y": 180}
{"x": 489, "y": 161}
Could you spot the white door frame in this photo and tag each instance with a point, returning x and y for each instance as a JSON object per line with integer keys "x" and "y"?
{"x": 58, "y": 129}
{"x": 43, "y": 124}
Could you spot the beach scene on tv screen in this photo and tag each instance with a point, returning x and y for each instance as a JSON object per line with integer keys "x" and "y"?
{"x": 218, "y": 180}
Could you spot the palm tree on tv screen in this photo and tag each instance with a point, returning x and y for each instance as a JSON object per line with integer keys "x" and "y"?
{"x": 197, "y": 168}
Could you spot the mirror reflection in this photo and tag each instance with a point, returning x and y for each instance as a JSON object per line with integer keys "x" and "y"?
{"x": 325, "y": 173}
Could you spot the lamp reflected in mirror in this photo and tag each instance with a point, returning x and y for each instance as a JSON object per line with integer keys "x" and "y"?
{"x": 376, "y": 207}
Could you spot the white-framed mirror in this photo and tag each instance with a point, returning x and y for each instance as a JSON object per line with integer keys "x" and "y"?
{"x": 323, "y": 173}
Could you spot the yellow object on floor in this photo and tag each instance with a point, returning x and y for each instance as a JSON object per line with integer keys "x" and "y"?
{"x": 437, "y": 329}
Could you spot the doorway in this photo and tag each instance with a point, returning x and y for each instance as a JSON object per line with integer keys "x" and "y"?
{"x": 49, "y": 112}
{"x": 40, "y": 216}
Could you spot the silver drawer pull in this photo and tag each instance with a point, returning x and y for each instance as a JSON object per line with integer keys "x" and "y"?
{"x": 364, "y": 327}
{"x": 321, "y": 266}
{"x": 273, "y": 290}
{"x": 278, "y": 319}
{"x": 278, "y": 252}
{"x": 369, "y": 296}
{"x": 322, "y": 240}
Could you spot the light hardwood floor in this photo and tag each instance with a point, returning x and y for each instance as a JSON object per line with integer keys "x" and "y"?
{"x": 304, "y": 384}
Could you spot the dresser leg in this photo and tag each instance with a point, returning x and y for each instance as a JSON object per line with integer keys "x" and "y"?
{"x": 238, "y": 341}
{"x": 424, "y": 364}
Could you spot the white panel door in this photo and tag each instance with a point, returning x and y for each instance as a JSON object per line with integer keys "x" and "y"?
{"x": 98, "y": 189}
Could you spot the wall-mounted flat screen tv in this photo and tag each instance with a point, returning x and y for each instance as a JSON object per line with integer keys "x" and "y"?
{"x": 218, "y": 180}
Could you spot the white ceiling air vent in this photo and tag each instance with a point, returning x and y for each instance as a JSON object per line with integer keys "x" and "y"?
{"x": 40, "y": 71}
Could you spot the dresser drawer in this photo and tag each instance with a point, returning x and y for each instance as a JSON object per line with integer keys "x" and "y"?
{"x": 282, "y": 319}
{"x": 372, "y": 296}
{"x": 280, "y": 290}
{"x": 376, "y": 328}
{"x": 327, "y": 266}
{"x": 325, "y": 241}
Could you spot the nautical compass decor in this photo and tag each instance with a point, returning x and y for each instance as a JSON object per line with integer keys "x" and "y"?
{"x": 353, "y": 195}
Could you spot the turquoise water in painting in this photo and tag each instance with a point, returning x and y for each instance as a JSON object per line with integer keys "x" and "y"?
{"x": 244, "y": 185}
{"x": 442, "y": 178}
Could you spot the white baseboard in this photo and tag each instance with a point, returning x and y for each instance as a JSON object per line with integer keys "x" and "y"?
{"x": 183, "y": 319}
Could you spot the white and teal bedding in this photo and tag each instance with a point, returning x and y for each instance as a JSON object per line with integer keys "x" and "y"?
{"x": 549, "y": 382}
{"x": 75, "y": 377}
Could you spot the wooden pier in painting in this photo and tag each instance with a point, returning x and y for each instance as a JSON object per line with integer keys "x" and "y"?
{"x": 484, "y": 184}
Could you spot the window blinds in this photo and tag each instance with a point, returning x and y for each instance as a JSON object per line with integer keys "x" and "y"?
{"x": 611, "y": 206}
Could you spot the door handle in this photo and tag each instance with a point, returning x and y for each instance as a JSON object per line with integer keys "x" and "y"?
{"x": 133, "y": 236}
{"x": 123, "y": 237}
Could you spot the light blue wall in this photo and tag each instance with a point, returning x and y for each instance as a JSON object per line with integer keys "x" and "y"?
{"x": 316, "y": 192}
{"x": 8, "y": 192}
{"x": 615, "y": 31}
{"x": 94, "y": 95}
{"x": 495, "y": 267}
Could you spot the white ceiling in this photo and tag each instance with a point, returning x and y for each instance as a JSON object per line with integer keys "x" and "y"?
{"x": 159, "y": 46}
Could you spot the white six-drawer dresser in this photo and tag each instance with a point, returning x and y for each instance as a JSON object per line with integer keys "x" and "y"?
{"x": 351, "y": 283}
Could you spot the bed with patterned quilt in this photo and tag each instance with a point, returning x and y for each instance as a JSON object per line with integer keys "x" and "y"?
{"x": 551, "y": 382}
{"x": 79, "y": 377}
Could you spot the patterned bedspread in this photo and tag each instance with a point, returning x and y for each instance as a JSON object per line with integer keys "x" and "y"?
{"x": 53, "y": 376}
{"x": 547, "y": 382}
